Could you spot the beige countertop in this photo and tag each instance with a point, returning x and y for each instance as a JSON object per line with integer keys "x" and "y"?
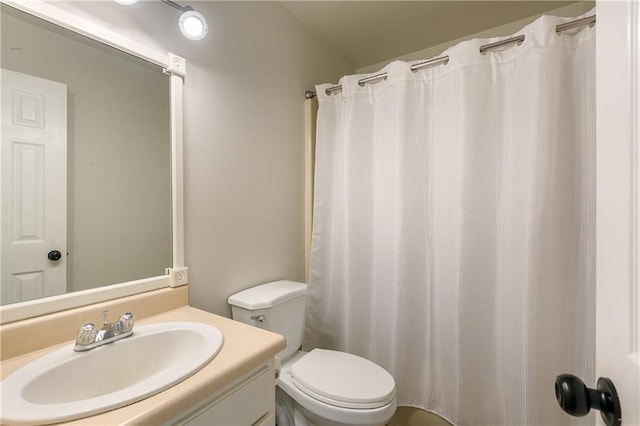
{"x": 245, "y": 347}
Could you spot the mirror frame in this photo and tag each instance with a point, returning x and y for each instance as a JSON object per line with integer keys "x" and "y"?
{"x": 175, "y": 67}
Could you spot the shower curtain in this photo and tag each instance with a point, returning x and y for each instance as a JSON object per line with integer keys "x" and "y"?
{"x": 454, "y": 216}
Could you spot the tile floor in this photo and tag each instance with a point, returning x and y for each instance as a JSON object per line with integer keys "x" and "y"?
{"x": 409, "y": 416}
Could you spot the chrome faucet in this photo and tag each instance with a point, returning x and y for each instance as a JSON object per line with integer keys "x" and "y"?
{"x": 88, "y": 337}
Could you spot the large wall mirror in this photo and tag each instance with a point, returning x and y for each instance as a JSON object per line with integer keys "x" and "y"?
{"x": 91, "y": 153}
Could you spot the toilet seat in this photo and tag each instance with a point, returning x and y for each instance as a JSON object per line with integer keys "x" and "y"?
{"x": 343, "y": 380}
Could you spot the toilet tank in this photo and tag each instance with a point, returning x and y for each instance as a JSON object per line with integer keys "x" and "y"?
{"x": 279, "y": 306}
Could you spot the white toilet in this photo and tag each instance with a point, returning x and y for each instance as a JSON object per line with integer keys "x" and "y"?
{"x": 320, "y": 387}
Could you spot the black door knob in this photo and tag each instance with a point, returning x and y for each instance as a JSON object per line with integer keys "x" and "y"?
{"x": 575, "y": 398}
{"x": 54, "y": 255}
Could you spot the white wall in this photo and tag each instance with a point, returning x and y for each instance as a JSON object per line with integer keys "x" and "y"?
{"x": 244, "y": 119}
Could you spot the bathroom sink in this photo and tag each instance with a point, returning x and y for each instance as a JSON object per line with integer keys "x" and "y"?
{"x": 65, "y": 385}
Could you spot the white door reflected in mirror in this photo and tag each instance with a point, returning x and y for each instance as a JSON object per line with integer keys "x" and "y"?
{"x": 34, "y": 187}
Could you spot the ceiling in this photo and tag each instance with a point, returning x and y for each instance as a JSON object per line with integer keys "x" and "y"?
{"x": 368, "y": 32}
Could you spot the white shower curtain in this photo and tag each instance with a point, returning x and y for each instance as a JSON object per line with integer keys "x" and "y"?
{"x": 453, "y": 239}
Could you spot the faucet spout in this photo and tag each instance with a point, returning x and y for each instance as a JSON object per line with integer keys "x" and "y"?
{"x": 88, "y": 337}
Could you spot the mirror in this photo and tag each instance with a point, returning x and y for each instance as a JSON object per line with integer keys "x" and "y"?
{"x": 88, "y": 135}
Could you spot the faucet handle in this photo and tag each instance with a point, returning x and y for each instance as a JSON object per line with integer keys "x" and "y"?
{"x": 86, "y": 334}
{"x": 127, "y": 319}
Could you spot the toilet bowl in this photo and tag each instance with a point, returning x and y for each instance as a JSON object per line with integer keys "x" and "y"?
{"x": 320, "y": 387}
{"x": 360, "y": 393}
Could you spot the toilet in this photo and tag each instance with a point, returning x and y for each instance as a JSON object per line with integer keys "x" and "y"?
{"x": 320, "y": 387}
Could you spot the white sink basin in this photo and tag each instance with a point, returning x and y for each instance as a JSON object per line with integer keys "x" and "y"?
{"x": 65, "y": 385}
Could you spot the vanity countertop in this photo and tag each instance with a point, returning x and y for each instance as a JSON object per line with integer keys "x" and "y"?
{"x": 245, "y": 347}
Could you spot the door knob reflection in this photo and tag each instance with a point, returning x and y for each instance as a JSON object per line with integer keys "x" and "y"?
{"x": 54, "y": 255}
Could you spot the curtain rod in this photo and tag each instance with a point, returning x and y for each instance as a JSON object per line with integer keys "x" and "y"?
{"x": 589, "y": 20}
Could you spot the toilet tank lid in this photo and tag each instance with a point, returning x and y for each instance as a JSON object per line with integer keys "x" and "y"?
{"x": 268, "y": 295}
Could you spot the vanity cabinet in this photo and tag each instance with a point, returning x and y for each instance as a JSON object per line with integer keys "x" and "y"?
{"x": 236, "y": 388}
{"x": 249, "y": 400}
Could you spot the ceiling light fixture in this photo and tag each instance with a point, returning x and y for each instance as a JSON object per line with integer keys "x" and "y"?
{"x": 192, "y": 24}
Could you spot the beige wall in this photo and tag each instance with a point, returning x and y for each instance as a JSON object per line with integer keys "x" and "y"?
{"x": 119, "y": 205}
{"x": 245, "y": 172}
{"x": 244, "y": 152}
